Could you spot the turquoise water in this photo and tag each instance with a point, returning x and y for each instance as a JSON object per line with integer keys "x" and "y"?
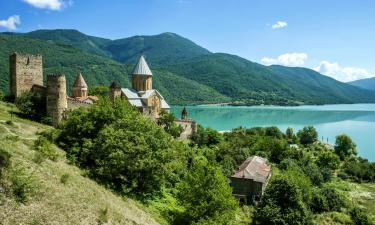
{"x": 357, "y": 120}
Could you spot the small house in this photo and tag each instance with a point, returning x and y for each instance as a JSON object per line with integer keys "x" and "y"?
{"x": 251, "y": 179}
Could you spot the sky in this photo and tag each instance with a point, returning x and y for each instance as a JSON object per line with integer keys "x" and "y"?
{"x": 333, "y": 37}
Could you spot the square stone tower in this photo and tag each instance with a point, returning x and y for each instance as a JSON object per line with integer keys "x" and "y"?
{"x": 25, "y": 71}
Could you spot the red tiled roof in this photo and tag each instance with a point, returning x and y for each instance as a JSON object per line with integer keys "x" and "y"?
{"x": 254, "y": 168}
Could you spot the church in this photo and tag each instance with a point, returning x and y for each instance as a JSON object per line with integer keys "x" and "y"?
{"x": 148, "y": 100}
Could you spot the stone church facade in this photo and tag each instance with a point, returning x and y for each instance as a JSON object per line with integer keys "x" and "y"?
{"x": 148, "y": 100}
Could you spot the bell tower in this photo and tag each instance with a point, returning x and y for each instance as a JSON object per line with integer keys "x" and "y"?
{"x": 142, "y": 76}
{"x": 80, "y": 87}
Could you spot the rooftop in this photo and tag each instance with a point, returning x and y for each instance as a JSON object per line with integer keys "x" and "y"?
{"x": 254, "y": 168}
{"x": 142, "y": 68}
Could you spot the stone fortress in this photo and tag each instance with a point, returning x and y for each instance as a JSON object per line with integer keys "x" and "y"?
{"x": 26, "y": 75}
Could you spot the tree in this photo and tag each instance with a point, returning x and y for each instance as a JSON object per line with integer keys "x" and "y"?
{"x": 328, "y": 159}
{"x": 99, "y": 91}
{"x": 206, "y": 194}
{"x": 167, "y": 121}
{"x": 281, "y": 204}
{"x": 344, "y": 146}
{"x": 31, "y": 105}
{"x": 307, "y": 135}
{"x": 206, "y": 136}
{"x": 121, "y": 148}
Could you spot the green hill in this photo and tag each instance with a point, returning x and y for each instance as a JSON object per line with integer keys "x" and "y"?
{"x": 368, "y": 83}
{"x": 52, "y": 199}
{"x": 98, "y": 70}
{"x": 241, "y": 79}
{"x": 162, "y": 49}
{"x": 75, "y": 38}
{"x": 185, "y": 72}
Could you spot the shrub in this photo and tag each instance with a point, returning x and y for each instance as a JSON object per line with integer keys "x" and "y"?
{"x": 44, "y": 147}
{"x": 328, "y": 159}
{"x": 23, "y": 184}
{"x": 334, "y": 200}
{"x": 359, "y": 216}
{"x": 31, "y": 105}
{"x": 313, "y": 172}
{"x": 318, "y": 202}
{"x": 64, "y": 178}
{"x": 4, "y": 160}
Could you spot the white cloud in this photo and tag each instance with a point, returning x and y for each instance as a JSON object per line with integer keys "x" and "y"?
{"x": 287, "y": 59}
{"x": 11, "y": 23}
{"x": 49, "y": 4}
{"x": 279, "y": 25}
{"x": 344, "y": 74}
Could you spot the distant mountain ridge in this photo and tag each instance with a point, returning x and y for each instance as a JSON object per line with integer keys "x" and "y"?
{"x": 186, "y": 73}
{"x": 368, "y": 83}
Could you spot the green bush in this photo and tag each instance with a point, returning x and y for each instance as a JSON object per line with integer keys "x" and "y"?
{"x": 334, "y": 200}
{"x": 318, "y": 202}
{"x": 22, "y": 184}
{"x": 359, "y": 216}
{"x": 4, "y": 160}
{"x": 31, "y": 105}
{"x": 45, "y": 148}
{"x": 64, "y": 178}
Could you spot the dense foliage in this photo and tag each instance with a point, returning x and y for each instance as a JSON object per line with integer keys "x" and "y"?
{"x": 32, "y": 105}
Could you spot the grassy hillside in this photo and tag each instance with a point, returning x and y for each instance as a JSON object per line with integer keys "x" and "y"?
{"x": 52, "y": 199}
{"x": 98, "y": 70}
{"x": 368, "y": 83}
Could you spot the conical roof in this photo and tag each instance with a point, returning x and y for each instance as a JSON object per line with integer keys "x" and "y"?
{"x": 142, "y": 68}
{"x": 80, "y": 82}
{"x": 114, "y": 85}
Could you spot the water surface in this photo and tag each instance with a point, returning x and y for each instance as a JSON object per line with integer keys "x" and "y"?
{"x": 356, "y": 120}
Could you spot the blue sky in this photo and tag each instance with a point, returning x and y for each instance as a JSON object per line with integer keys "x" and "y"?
{"x": 334, "y": 37}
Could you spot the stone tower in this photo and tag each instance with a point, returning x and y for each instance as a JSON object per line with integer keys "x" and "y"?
{"x": 56, "y": 98}
{"x": 80, "y": 88}
{"x": 114, "y": 91}
{"x": 184, "y": 114}
{"x": 25, "y": 71}
{"x": 142, "y": 76}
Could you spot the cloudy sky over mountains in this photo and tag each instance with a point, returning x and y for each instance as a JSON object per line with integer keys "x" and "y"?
{"x": 333, "y": 37}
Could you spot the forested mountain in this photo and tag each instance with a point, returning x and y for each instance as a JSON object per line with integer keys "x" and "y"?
{"x": 368, "y": 83}
{"x": 98, "y": 70}
{"x": 184, "y": 72}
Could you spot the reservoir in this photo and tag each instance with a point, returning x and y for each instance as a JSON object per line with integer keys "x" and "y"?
{"x": 355, "y": 120}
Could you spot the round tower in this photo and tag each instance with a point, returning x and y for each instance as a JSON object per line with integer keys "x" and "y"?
{"x": 56, "y": 98}
{"x": 80, "y": 88}
{"x": 142, "y": 76}
{"x": 114, "y": 91}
